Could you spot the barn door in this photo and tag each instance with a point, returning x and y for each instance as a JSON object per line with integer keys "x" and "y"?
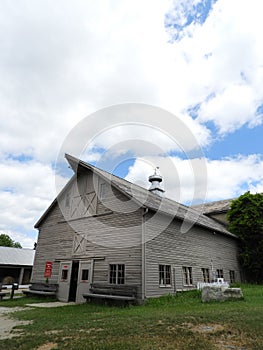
{"x": 84, "y": 280}
{"x": 73, "y": 281}
{"x": 64, "y": 280}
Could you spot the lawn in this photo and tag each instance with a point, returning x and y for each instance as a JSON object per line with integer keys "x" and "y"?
{"x": 172, "y": 322}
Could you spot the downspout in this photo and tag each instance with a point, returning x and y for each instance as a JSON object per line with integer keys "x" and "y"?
{"x": 144, "y": 254}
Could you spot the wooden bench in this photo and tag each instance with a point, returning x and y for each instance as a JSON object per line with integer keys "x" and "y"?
{"x": 2, "y": 294}
{"x": 122, "y": 292}
{"x": 42, "y": 289}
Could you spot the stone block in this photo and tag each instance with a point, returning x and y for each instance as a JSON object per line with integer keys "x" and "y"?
{"x": 220, "y": 293}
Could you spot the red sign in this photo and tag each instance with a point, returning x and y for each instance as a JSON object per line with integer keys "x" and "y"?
{"x": 48, "y": 269}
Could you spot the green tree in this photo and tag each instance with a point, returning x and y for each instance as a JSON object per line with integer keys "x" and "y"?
{"x": 6, "y": 241}
{"x": 246, "y": 221}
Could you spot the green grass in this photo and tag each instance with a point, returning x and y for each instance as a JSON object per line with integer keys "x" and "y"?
{"x": 171, "y": 322}
{"x": 25, "y": 300}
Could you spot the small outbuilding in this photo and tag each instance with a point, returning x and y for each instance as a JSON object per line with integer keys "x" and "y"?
{"x": 16, "y": 265}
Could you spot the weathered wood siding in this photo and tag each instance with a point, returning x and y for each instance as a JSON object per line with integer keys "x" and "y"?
{"x": 55, "y": 241}
{"x": 195, "y": 248}
{"x": 103, "y": 226}
{"x": 220, "y": 217}
{"x": 113, "y": 237}
{"x": 105, "y": 231}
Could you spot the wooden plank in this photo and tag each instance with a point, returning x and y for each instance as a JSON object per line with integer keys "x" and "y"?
{"x": 107, "y": 296}
{"x": 39, "y": 292}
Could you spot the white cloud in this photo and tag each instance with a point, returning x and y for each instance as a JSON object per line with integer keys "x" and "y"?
{"x": 231, "y": 109}
{"x": 62, "y": 61}
{"x": 149, "y": 139}
{"x": 222, "y": 64}
{"x": 26, "y": 190}
{"x": 59, "y": 66}
{"x": 26, "y": 240}
{"x": 183, "y": 180}
{"x": 187, "y": 181}
{"x": 230, "y": 177}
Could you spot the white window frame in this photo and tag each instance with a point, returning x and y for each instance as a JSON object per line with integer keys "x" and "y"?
{"x": 165, "y": 275}
{"x": 187, "y": 276}
{"x": 117, "y": 276}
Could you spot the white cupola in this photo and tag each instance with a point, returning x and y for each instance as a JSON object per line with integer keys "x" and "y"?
{"x": 156, "y": 180}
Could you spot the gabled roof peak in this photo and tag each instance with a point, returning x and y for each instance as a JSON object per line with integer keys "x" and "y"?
{"x": 143, "y": 197}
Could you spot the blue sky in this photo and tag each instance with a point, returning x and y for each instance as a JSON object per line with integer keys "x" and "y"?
{"x": 243, "y": 141}
{"x": 191, "y": 12}
{"x": 187, "y": 75}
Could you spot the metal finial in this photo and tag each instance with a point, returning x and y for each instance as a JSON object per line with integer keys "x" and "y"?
{"x": 155, "y": 170}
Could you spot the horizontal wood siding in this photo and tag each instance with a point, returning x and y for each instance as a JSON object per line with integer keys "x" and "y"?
{"x": 108, "y": 231}
{"x": 114, "y": 238}
{"x": 106, "y": 237}
{"x": 55, "y": 241}
{"x": 193, "y": 249}
{"x": 115, "y": 201}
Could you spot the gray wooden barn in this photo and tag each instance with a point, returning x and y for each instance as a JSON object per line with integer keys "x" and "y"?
{"x": 104, "y": 235}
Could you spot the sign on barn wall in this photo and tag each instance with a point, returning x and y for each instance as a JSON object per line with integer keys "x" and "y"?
{"x": 48, "y": 269}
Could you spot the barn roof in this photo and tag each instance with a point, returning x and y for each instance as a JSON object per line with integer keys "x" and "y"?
{"x": 145, "y": 199}
{"x": 216, "y": 207}
{"x": 16, "y": 256}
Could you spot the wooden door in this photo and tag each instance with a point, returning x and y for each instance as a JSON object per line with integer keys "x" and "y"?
{"x": 84, "y": 280}
{"x": 64, "y": 280}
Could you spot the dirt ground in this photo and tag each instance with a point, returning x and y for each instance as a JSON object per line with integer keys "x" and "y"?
{"x": 7, "y": 323}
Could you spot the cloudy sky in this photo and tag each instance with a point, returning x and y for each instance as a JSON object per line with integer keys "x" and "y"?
{"x": 62, "y": 62}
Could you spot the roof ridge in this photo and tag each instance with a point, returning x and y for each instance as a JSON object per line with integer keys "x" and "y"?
{"x": 204, "y": 220}
{"x": 151, "y": 201}
{"x": 102, "y": 170}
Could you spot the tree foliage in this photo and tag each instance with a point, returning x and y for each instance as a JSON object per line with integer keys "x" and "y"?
{"x": 246, "y": 221}
{"x": 6, "y": 241}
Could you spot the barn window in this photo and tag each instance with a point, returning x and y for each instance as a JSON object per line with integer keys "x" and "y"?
{"x": 64, "y": 275}
{"x": 164, "y": 275}
{"x": 206, "y": 277}
{"x": 117, "y": 273}
{"x": 232, "y": 276}
{"x": 85, "y": 275}
{"x": 187, "y": 274}
{"x": 219, "y": 273}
